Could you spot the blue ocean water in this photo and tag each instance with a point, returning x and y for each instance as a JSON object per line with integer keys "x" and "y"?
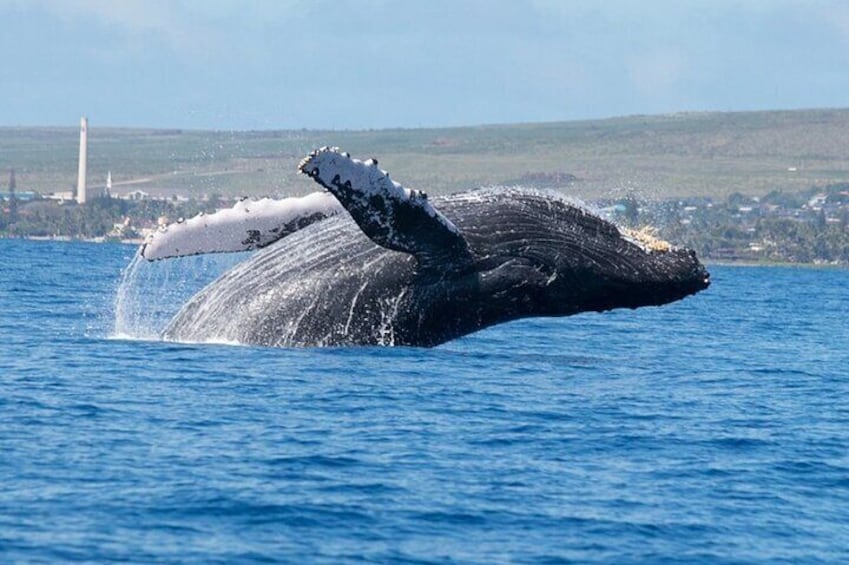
{"x": 711, "y": 430}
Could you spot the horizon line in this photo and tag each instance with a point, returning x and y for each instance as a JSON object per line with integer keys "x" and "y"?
{"x": 682, "y": 113}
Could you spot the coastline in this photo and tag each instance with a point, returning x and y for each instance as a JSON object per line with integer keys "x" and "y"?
{"x": 72, "y": 239}
{"x": 708, "y": 261}
{"x": 756, "y": 264}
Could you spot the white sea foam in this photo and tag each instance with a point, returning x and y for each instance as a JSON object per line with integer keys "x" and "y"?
{"x": 149, "y": 294}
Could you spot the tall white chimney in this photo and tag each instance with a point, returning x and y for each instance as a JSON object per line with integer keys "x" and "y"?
{"x": 83, "y": 158}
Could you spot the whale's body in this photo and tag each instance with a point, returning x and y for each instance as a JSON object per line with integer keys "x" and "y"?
{"x": 484, "y": 258}
{"x": 534, "y": 255}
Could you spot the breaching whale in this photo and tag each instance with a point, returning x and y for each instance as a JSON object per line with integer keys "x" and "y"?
{"x": 369, "y": 262}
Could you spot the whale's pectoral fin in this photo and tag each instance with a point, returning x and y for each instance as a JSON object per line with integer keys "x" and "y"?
{"x": 389, "y": 214}
{"x": 250, "y": 224}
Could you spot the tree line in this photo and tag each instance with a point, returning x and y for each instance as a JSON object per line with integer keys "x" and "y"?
{"x": 779, "y": 227}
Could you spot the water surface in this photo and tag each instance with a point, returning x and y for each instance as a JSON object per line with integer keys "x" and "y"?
{"x": 715, "y": 429}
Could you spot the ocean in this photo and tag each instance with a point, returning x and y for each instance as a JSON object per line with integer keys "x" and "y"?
{"x": 713, "y": 430}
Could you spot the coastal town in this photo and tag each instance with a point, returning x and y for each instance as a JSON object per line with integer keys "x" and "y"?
{"x": 809, "y": 227}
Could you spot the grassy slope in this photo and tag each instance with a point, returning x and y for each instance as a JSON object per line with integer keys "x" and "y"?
{"x": 710, "y": 154}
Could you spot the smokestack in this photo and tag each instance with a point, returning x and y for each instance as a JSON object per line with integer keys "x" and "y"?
{"x": 83, "y": 158}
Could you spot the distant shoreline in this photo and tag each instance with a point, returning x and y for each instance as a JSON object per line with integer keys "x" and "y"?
{"x": 71, "y": 239}
{"x": 726, "y": 263}
{"x": 709, "y": 262}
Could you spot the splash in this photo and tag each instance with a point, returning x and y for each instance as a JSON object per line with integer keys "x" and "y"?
{"x": 125, "y": 298}
{"x": 149, "y": 294}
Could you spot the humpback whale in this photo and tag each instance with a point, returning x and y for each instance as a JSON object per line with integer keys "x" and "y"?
{"x": 370, "y": 262}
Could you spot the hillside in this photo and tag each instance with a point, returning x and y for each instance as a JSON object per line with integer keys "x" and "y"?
{"x": 693, "y": 154}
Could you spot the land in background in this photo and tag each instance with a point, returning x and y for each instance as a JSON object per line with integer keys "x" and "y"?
{"x": 744, "y": 185}
{"x": 656, "y": 157}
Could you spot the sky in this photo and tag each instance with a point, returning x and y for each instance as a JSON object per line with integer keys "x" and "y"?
{"x": 363, "y": 64}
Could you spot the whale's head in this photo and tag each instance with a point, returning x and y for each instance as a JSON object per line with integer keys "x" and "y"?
{"x": 629, "y": 269}
{"x": 555, "y": 258}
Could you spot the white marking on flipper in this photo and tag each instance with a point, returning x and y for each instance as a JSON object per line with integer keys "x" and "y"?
{"x": 250, "y": 224}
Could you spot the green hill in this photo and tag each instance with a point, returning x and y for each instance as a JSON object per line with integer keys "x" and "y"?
{"x": 691, "y": 154}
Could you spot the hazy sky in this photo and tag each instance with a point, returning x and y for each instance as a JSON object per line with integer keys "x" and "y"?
{"x": 263, "y": 64}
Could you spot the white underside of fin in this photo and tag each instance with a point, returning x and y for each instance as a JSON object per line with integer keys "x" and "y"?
{"x": 250, "y": 224}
